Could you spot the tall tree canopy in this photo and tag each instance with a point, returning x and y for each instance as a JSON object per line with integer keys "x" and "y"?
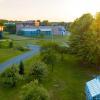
{"x": 78, "y": 29}
{"x": 85, "y": 38}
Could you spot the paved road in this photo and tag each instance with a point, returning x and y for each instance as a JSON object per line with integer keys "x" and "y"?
{"x": 16, "y": 60}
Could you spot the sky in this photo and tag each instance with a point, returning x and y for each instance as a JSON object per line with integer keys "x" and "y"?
{"x": 52, "y": 10}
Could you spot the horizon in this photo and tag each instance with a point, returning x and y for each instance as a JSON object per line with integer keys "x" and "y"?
{"x": 52, "y": 10}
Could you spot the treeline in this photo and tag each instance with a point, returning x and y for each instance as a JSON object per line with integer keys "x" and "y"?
{"x": 85, "y": 38}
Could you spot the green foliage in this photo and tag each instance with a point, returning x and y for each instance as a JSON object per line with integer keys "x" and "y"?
{"x": 8, "y": 77}
{"x": 2, "y": 21}
{"x": 49, "y": 57}
{"x": 48, "y": 53}
{"x": 33, "y": 91}
{"x": 21, "y": 68}
{"x": 85, "y": 38}
{"x": 45, "y": 23}
{"x": 62, "y": 50}
{"x": 11, "y": 28}
{"x": 49, "y": 45}
{"x": 78, "y": 28}
{"x": 81, "y": 24}
{"x": 1, "y": 35}
{"x": 21, "y": 48}
{"x": 11, "y": 44}
{"x": 39, "y": 71}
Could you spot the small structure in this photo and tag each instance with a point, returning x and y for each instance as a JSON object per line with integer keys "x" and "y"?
{"x": 93, "y": 89}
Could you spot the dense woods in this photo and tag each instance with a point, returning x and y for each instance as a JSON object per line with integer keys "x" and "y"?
{"x": 85, "y": 38}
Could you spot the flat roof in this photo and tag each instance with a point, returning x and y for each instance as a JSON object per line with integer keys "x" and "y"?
{"x": 35, "y": 29}
{"x": 94, "y": 87}
{"x": 29, "y": 29}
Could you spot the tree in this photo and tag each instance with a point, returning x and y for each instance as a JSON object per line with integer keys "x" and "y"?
{"x": 78, "y": 29}
{"x": 11, "y": 28}
{"x": 2, "y": 21}
{"x": 49, "y": 58}
{"x": 1, "y": 35}
{"x": 45, "y": 23}
{"x": 39, "y": 71}
{"x": 10, "y": 44}
{"x": 21, "y": 68}
{"x": 48, "y": 53}
{"x": 33, "y": 91}
{"x": 62, "y": 50}
{"x": 85, "y": 38}
{"x": 8, "y": 77}
{"x": 82, "y": 24}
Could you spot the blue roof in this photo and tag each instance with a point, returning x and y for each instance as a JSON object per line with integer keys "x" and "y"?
{"x": 94, "y": 87}
{"x": 35, "y": 29}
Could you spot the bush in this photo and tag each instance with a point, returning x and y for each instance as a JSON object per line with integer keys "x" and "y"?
{"x": 39, "y": 71}
{"x": 10, "y": 44}
{"x": 22, "y": 48}
{"x": 33, "y": 91}
{"x": 21, "y": 68}
{"x": 9, "y": 78}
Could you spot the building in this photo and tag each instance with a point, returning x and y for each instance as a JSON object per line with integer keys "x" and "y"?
{"x": 32, "y": 28}
{"x": 40, "y": 31}
{"x": 10, "y": 27}
{"x": 93, "y": 89}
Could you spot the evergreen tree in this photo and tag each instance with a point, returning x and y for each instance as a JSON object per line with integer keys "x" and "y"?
{"x": 21, "y": 68}
{"x": 10, "y": 44}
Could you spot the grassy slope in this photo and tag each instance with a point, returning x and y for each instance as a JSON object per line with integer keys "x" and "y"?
{"x": 5, "y": 54}
{"x": 67, "y": 82}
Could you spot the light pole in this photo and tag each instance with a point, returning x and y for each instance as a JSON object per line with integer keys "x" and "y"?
{"x": 1, "y": 30}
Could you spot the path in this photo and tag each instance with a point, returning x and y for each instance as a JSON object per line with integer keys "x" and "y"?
{"x": 34, "y": 50}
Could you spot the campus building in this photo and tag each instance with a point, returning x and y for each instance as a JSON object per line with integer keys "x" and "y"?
{"x": 93, "y": 89}
{"x": 32, "y": 28}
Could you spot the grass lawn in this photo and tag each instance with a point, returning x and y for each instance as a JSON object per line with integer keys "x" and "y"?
{"x": 67, "y": 82}
{"x": 23, "y": 41}
{"x": 6, "y": 54}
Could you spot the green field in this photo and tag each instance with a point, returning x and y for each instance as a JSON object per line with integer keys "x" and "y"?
{"x": 6, "y": 54}
{"x": 67, "y": 82}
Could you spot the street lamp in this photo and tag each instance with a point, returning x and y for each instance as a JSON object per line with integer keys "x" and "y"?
{"x": 1, "y": 30}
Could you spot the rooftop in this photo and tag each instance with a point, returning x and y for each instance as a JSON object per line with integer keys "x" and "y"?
{"x": 35, "y": 29}
{"x": 94, "y": 86}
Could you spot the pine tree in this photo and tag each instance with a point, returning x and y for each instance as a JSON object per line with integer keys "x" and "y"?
{"x": 21, "y": 68}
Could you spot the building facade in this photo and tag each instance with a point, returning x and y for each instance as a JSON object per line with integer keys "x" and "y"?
{"x": 32, "y": 28}
{"x": 35, "y": 32}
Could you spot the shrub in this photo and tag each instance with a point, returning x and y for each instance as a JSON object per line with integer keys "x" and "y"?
{"x": 39, "y": 71}
{"x": 21, "y": 48}
{"x": 33, "y": 91}
{"x": 10, "y": 44}
{"x": 8, "y": 77}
